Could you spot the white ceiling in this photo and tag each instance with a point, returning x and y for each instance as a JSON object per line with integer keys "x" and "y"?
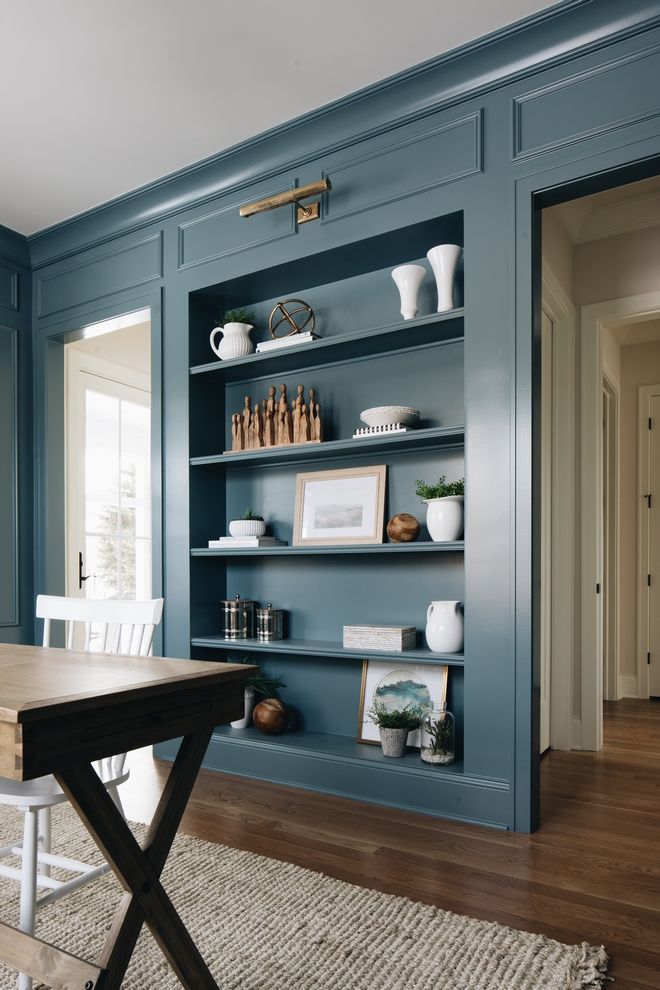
{"x": 100, "y": 98}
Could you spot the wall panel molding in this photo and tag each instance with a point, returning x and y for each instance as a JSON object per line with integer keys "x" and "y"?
{"x": 126, "y": 266}
{"x": 9, "y": 288}
{"x": 9, "y": 412}
{"x": 572, "y": 109}
{"x": 383, "y": 174}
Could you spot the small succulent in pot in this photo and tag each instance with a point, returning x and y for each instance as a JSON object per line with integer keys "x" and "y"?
{"x": 236, "y": 316}
{"x": 394, "y": 724}
{"x": 444, "y": 508}
{"x": 248, "y": 525}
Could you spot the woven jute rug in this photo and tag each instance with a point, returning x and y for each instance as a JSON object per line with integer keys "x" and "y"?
{"x": 266, "y": 925}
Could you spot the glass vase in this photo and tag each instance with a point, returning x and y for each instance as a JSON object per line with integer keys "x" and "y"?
{"x": 438, "y": 736}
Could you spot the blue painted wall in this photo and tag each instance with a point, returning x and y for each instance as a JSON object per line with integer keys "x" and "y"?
{"x": 16, "y": 480}
{"x": 485, "y": 133}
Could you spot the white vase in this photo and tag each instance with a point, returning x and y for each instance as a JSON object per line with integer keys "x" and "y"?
{"x": 408, "y": 279}
{"x": 247, "y": 527}
{"x": 235, "y": 343}
{"x": 444, "y": 627}
{"x": 242, "y": 723}
{"x": 444, "y": 261}
{"x": 444, "y": 518}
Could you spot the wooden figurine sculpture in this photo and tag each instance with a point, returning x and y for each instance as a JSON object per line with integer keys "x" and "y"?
{"x": 275, "y": 423}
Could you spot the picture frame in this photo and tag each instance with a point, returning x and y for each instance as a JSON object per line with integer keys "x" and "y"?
{"x": 400, "y": 684}
{"x": 342, "y": 506}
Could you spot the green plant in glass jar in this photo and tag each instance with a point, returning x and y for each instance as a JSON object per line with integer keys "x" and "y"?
{"x": 438, "y": 736}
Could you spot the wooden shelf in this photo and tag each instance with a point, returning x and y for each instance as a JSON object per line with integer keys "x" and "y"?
{"x": 341, "y": 347}
{"x": 457, "y": 546}
{"x": 445, "y": 437}
{"x": 323, "y": 648}
{"x": 335, "y": 748}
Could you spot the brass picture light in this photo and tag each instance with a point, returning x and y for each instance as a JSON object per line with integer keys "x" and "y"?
{"x": 303, "y": 213}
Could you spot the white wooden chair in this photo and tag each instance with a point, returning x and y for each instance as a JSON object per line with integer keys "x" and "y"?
{"x": 121, "y": 627}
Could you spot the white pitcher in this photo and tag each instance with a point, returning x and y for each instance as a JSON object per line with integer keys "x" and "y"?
{"x": 444, "y": 627}
{"x": 235, "y": 343}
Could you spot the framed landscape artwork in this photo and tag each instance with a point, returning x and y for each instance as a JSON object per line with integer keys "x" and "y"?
{"x": 399, "y": 685}
{"x": 344, "y": 506}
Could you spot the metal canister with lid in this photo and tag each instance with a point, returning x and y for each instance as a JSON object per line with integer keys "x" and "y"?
{"x": 269, "y": 623}
{"x": 238, "y": 617}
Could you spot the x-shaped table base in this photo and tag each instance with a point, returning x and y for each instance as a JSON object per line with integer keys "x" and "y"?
{"x": 138, "y": 870}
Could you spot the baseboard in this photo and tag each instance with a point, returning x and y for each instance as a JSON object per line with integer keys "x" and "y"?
{"x": 628, "y": 686}
{"x": 576, "y": 733}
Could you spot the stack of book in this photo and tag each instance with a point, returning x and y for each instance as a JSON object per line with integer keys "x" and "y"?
{"x": 237, "y": 542}
{"x": 294, "y": 338}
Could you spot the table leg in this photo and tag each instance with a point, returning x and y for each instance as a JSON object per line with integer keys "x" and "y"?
{"x": 139, "y": 870}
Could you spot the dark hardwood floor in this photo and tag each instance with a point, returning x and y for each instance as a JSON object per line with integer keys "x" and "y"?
{"x": 590, "y": 873}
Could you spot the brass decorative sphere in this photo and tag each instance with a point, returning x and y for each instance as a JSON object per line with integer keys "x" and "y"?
{"x": 294, "y": 319}
{"x": 270, "y": 716}
{"x": 403, "y": 528}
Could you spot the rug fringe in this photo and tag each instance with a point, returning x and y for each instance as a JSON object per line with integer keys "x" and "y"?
{"x": 589, "y": 968}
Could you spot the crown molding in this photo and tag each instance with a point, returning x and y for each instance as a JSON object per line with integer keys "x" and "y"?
{"x": 14, "y": 247}
{"x": 550, "y": 37}
{"x": 585, "y": 221}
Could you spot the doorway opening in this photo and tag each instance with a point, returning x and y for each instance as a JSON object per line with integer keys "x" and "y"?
{"x": 599, "y": 490}
{"x": 107, "y": 376}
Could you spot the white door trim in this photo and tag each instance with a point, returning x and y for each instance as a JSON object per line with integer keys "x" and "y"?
{"x": 593, "y": 318}
{"x": 611, "y": 576}
{"x": 644, "y": 393}
{"x": 561, "y": 311}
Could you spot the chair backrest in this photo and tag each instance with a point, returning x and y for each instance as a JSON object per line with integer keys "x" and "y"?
{"x": 122, "y": 626}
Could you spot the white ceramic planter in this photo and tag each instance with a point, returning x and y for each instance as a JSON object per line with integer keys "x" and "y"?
{"x": 444, "y": 261}
{"x": 242, "y": 723}
{"x": 235, "y": 343}
{"x": 444, "y": 518}
{"x": 408, "y": 279}
{"x": 444, "y": 627}
{"x": 247, "y": 527}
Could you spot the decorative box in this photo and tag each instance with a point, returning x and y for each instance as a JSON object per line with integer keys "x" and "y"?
{"x": 381, "y": 638}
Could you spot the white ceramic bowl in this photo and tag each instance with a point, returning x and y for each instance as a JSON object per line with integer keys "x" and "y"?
{"x": 247, "y": 527}
{"x": 387, "y": 415}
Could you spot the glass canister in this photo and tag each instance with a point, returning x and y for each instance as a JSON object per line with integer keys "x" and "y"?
{"x": 438, "y": 742}
{"x": 238, "y": 617}
{"x": 269, "y": 623}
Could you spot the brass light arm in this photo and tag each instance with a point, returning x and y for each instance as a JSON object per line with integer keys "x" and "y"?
{"x": 304, "y": 213}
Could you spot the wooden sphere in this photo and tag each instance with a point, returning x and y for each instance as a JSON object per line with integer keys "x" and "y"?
{"x": 403, "y": 528}
{"x": 270, "y": 716}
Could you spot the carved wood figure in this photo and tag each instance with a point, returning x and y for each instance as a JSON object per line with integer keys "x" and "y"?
{"x": 274, "y": 423}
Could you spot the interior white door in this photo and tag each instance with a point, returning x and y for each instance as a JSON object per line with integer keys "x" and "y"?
{"x": 108, "y": 480}
{"x": 546, "y": 526}
{"x": 652, "y": 509}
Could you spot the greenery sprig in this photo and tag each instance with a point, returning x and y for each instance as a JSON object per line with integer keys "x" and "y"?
{"x": 259, "y": 684}
{"x": 236, "y": 316}
{"x": 395, "y": 718}
{"x": 249, "y": 516}
{"x": 441, "y": 489}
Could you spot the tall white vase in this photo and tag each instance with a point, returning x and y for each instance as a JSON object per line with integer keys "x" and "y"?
{"x": 408, "y": 279}
{"x": 444, "y": 261}
{"x": 444, "y": 627}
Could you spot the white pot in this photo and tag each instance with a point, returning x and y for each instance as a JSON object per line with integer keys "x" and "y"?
{"x": 444, "y": 261}
{"x": 242, "y": 723}
{"x": 247, "y": 527}
{"x": 235, "y": 341}
{"x": 444, "y": 518}
{"x": 444, "y": 627}
{"x": 408, "y": 279}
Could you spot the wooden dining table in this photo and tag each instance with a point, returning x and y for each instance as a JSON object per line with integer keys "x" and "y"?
{"x": 60, "y": 710}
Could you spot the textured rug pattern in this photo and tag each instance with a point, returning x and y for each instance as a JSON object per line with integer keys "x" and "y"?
{"x": 265, "y": 925}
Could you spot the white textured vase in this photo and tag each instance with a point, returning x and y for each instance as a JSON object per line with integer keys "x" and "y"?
{"x": 235, "y": 343}
{"x": 242, "y": 723}
{"x": 408, "y": 279}
{"x": 247, "y": 527}
{"x": 444, "y": 261}
{"x": 444, "y": 627}
{"x": 444, "y": 518}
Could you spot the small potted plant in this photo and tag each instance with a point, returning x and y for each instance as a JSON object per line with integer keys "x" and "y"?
{"x": 444, "y": 507}
{"x": 234, "y": 327}
{"x": 247, "y": 525}
{"x": 394, "y": 724}
{"x": 257, "y": 687}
